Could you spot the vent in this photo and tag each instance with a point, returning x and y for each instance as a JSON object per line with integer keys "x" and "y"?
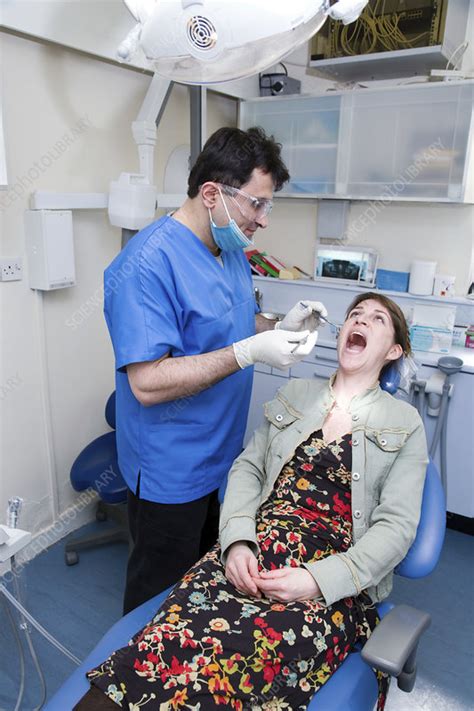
{"x": 201, "y": 33}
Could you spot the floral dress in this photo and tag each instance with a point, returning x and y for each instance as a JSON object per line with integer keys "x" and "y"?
{"x": 209, "y": 645}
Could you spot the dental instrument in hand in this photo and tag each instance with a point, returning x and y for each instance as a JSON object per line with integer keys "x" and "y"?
{"x": 330, "y": 323}
{"x": 326, "y": 320}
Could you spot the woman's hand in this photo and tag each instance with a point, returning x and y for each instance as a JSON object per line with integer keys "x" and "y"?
{"x": 288, "y": 584}
{"x": 241, "y": 569}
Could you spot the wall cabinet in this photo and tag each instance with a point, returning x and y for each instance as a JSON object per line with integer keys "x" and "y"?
{"x": 403, "y": 142}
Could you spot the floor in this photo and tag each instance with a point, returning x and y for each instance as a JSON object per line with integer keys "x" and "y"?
{"x": 77, "y": 604}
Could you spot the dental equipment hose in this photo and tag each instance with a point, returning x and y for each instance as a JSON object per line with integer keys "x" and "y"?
{"x": 34, "y": 656}
{"x": 21, "y": 691}
{"x": 14, "y": 507}
{"x": 38, "y": 626}
{"x": 442, "y": 415}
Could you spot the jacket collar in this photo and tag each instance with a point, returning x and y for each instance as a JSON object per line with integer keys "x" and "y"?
{"x": 358, "y": 402}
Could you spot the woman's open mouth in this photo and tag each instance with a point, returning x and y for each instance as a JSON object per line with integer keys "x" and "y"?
{"x": 356, "y": 342}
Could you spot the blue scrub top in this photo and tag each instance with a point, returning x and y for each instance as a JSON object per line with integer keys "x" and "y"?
{"x": 166, "y": 293}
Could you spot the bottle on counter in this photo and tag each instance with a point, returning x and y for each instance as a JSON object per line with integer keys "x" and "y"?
{"x": 470, "y": 337}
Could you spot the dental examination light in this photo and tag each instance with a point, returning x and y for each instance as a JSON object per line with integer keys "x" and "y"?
{"x": 207, "y": 41}
{"x": 204, "y": 42}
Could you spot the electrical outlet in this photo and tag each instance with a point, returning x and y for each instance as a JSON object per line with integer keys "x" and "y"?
{"x": 11, "y": 268}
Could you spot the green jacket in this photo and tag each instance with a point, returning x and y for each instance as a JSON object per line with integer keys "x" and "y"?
{"x": 389, "y": 458}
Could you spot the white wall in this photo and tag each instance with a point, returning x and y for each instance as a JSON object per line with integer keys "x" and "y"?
{"x": 401, "y": 232}
{"x": 56, "y": 364}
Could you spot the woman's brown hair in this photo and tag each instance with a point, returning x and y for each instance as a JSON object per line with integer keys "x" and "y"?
{"x": 400, "y": 326}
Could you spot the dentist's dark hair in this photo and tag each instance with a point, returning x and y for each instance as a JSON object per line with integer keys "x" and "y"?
{"x": 231, "y": 155}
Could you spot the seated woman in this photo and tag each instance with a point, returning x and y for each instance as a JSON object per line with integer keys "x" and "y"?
{"x": 319, "y": 509}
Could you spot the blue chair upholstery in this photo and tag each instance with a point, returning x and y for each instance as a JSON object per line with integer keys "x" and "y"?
{"x": 353, "y": 687}
{"x": 96, "y": 467}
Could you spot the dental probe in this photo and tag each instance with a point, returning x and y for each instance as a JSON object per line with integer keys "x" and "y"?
{"x": 321, "y": 318}
{"x": 330, "y": 323}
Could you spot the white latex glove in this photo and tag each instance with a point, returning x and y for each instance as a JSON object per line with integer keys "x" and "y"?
{"x": 304, "y": 316}
{"x": 347, "y": 10}
{"x": 280, "y": 349}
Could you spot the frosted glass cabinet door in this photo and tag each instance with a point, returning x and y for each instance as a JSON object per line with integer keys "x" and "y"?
{"x": 409, "y": 142}
{"x": 308, "y": 129}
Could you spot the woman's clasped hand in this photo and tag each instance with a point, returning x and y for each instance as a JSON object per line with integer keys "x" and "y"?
{"x": 286, "y": 584}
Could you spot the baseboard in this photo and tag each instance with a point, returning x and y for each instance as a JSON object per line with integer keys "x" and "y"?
{"x": 463, "y": 524}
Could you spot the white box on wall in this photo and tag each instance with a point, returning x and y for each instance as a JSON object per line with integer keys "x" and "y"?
{"x": 50, "y": 249}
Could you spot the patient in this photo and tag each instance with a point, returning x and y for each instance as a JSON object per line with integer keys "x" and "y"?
{"x": 319, "y": 509}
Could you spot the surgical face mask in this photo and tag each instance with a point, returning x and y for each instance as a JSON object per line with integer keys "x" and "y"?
{"x": 229, "y": 238}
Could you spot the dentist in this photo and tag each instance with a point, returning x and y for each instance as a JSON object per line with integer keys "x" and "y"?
{"x": 185, "y": 330}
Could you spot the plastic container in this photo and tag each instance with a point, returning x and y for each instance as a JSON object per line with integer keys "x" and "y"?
{"x": 422, "y": 276}
{"x": 459, "y": 335}
{"x": 470, "y": 337}
{"x": 391, "y": 280}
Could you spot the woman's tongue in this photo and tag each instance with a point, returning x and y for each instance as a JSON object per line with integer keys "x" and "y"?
{"x": 356, "y": 343}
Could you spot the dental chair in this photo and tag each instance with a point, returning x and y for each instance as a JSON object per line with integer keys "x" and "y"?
{"x": 96, "y": 467}
{"x": 353, "y": 687}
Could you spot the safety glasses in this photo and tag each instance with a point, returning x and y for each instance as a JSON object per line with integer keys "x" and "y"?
{"x": 251, "y": 207}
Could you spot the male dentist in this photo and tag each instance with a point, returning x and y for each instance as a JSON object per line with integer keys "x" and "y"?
{"x": 182, "y": 318}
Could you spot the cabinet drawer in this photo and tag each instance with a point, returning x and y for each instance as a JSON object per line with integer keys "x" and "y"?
{"x": 312, "y": 370}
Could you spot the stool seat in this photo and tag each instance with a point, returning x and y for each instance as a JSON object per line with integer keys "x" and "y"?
{"x": 97, "y": 467}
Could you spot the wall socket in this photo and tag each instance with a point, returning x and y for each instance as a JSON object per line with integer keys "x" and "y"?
{"x": 11, "y": 268}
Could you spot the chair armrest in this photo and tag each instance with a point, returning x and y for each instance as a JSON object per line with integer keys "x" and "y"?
{"x": 392, "y": 646}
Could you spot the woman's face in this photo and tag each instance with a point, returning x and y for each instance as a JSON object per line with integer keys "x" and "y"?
{"x": 366, "y": 341}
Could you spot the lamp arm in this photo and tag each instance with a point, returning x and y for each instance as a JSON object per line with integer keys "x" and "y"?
{"x": 144, "y": 128}
{"x": 347, "y": 10}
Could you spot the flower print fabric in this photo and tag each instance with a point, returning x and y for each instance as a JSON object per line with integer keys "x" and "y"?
{"x": 210, "y": 646}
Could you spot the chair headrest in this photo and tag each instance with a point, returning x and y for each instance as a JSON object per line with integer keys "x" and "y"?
{"x": 110, "y": 411}
{"x": 390, "y": 378}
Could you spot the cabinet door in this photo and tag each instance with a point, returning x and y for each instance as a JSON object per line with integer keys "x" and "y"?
{"x": 409, "y": 143}
{"x": 308, "y": 128}
{"x": 460, "y": 442}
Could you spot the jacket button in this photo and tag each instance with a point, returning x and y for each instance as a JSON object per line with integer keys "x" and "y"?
{"x": 279, "y": 418}
{"x": 356, "y": 476}
{"x": 355, "y": 442}
{"x": 383, "y": 442}
{"x": 355, "y": 417}
{"x": 357, "y": 514}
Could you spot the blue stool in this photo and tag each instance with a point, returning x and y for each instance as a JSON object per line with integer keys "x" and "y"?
{"x": 97, "y": 468}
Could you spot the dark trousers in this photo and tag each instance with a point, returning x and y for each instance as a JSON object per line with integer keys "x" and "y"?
{"x": 167, "y": 540}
